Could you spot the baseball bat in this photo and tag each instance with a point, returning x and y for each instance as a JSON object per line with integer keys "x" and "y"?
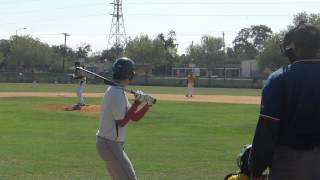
{"x": 111, "y": 83}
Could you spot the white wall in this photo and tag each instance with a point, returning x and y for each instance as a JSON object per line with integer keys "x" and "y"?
{"x": 248, "y": 68}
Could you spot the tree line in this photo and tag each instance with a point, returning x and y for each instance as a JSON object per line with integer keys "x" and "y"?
{"x": 24, "y": 53}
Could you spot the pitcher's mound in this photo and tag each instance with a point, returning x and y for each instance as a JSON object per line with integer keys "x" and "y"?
{"x": 64, "y": 107}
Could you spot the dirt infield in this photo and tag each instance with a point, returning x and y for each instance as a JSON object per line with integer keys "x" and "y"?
{"x": 64, "y": 107}
{"x": 160, "y": 97}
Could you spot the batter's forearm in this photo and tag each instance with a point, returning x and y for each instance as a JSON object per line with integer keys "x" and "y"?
{"x": 140, "y": 114}
{"x": 128, "y": 115}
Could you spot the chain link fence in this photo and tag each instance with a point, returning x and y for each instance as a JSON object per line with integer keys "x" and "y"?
{"x": 14, "y": 77}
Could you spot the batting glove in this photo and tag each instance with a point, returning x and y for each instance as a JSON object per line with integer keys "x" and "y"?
{"x": 150, "y": 100}
{"x": 139, "y": 96}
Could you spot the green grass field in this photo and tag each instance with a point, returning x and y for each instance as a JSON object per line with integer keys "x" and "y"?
{"x": 176, "y": 140}
{"x": 27, "y": 87}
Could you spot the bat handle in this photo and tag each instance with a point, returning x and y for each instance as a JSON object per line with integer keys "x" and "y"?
{"x": 154, "y": 101}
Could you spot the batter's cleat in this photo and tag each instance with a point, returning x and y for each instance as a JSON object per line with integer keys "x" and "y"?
{"x": 80, "y": 104}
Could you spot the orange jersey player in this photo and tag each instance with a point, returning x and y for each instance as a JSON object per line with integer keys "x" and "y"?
{"x": 190, "y": 85}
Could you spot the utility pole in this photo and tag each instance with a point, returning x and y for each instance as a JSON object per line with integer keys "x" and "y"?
{"x": 224, "y": 63}
{"x": 224, "y": 42}
{"x": 117, "y": 35}
{"x": 65, "y": 49}
{"x": 19, "y": 30}
{"x": 16, "y": 37}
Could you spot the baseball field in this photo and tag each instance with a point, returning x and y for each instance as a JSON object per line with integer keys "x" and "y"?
{"x": 179, "y": 139}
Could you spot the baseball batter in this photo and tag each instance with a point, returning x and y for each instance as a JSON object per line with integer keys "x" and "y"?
{"x": 81, "y": 85}
{"x": 190, "y": 87}
{"x": 116, "y": 112}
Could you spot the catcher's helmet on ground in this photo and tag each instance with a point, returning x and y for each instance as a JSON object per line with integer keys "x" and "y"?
{"x": 243, "y": 159}
{"x": 123, "y": 68}
{"x": 305, "y": 36}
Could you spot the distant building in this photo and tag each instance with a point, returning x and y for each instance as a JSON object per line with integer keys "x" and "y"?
{"x": 97, "y": 67}
{"x": 143, "y": 69}
{"x": 232, "y": 69}
{"x": 249, "y": 68}
{"x": 227, "y": 70}
{"x": 191, "y": 68}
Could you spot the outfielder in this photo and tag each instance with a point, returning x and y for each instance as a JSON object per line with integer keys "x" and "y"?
{"x": 190, "y": 85}
{"x": 115, "y": 113}
{"x": 287, "y": 137}
{"x": 81, "y": 85}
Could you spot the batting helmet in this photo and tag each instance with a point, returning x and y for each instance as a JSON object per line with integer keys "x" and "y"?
{"x": 123, "y": 68}
{"x": 305, "y": 36}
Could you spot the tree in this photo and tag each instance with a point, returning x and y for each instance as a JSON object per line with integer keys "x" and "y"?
{"x": 4, "y": 51}
{"x": 2, "y": 58}
{"x": 184, "y": 59}
{"x": 112, "y": 54}
{"x": 83, "y": 50}
{"x": 249, "y": 41}
{"x": 308, "y": 18}
{"x": 28, "y": 53}
{"x": 231, "y": 55}
{"x": 169, "y": 41}
{"x": 271, "y": 58}
{"x": 147, "y": 53}
{"x": 70, "y": 53}
{"x": 196, "y": 54}
{"x": 170, "y": 45}
{"x": 209, "y": 52}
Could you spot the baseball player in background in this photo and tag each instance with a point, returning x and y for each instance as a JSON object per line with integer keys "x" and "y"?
{"x": 116, "y": 112}
{"x": 81, "y": 85}
{"x": 34, "y": 78}
{"x": 287, "y": 137}
{"x": 190, "y": 85}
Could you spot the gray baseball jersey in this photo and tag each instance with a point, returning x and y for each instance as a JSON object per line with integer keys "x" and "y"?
{"x": 114, "y": 107}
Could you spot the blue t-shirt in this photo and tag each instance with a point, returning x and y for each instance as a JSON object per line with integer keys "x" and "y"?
{"x": 292, "y": 97}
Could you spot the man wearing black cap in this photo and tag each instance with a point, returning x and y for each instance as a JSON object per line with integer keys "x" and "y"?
{"x": 287, "y": 137}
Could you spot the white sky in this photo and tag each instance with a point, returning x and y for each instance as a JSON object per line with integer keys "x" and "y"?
{"x": 89, "y": 21}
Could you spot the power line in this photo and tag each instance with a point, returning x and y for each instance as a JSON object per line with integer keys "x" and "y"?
{"x": 87, "y": 5}
{"x": 209, "y": 15}
{"x": 52, "y": 9}
{"x": 48, "y": 21}
{"x": 51, "y": 21}
{"x": 224, "y": 3}
{"x": 185, "y": 3}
